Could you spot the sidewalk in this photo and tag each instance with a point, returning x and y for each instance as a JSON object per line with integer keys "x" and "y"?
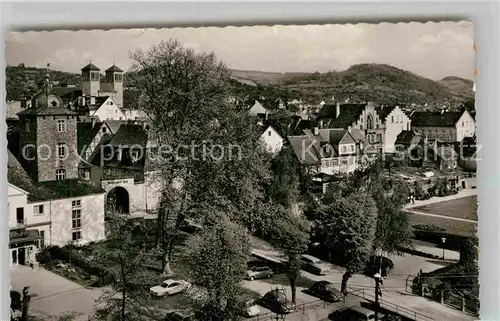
{"x": 436, "y": 199}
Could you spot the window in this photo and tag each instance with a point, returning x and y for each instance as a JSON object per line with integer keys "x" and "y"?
{"x": 118, "y": 77}
{"x": 343, "y": 149}
{"x": 77, "y": 236}
{"x": 378, "y": 125}
{"x": 361, "y": 126}
{"x": 344, "y": 161}
{"x": 20, "y": 215}
{"x": 41, "y": 242}
{"x": 351, "y": 148}
{"x": 76, "y": 219}
{"x": 335, "y": 162}
{"x": 60, "y": 174}
{"x": 94, "y": 76}
{"x": 392, "y": 119}
{"x": 104, "y": 129}
{"x": 324, "y": 163}
{"x": 61, "y": 150}
{"x": 61, "y": 125}
{"x": 76, "y": 204}
{"x": 54, "y": 103}
{"x": 269, "y": 133}
{"x": 38, "y": 209}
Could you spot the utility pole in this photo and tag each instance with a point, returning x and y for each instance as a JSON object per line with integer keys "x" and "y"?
{"x": 378, "y": 293}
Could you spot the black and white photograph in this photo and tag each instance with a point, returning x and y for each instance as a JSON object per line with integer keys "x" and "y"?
{"x": 268, "y": 172}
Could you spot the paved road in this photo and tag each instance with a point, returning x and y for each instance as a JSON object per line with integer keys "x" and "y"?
{"x": 53, "y": 295}
{"x": 435, "y": 199}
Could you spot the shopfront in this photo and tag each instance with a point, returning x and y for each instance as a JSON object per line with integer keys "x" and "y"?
{"x": 22, "y": 246}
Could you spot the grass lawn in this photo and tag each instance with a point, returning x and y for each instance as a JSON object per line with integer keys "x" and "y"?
{"x": 451, "y": 226}
{"x": 465, "y": 207}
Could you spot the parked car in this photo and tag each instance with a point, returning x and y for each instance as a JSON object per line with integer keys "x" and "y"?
{"x": 313, "y": 265}
{"x": 276, "y": 301}
{"x": 372, "y": 267}
{"x": 325, "y": 291}
{"x": 179, "y": 316}
{"x": 252, "y": 309}
{"x": 356, "y": 313}
{"x": 170, "y": 287}
{"x": 259, "y": 272}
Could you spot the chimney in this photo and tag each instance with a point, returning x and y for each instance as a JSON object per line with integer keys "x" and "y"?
{"x": 93, "y": 122}
{"x": 337, "y": 109}
{"x": 267, "y": 114}
{"x": 316, "y": 131}
{"x": 321, "y": 123}
{"x": 144, "y": 125}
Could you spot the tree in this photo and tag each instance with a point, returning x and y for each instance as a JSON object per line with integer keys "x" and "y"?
{"x": 289, "y": 235}
{"x": 185, "y": 94}
{"x": 284, "y": 185}
{"x": 216, "y": 261}
{"x": 347, "y": 225}
{"x": 122, "y": 261}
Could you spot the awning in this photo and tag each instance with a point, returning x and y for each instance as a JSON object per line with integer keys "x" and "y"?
{"x": 21, "y": 236}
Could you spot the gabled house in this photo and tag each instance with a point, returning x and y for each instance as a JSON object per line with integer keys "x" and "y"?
{"x": 445, "y": 126}
{"x": 272, "y": 140}
{"x": 407, "y": 139}
{"x": 328, "y": 151}
{"x": 257, "y": 109}
{"x": 447, "y": 157}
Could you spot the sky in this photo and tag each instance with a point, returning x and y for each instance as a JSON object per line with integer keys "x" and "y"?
{"x": 433, "y": 50}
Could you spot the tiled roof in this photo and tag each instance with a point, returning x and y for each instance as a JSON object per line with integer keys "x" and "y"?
{"x": 90, "y": 66}
{"x": 86, "y": 133}
{"x": 48, "y": 111}
{"x": 114, "y": 125}
{"x": 130, "y": 134}
{"x": 384, "y": 111}
{"x": 63, "y": 91}
{"x": 305, "y": 155}
{"x": 114, "y": 68}
{"x": 98, "y": 102}
{"x": 349, "y": 113}
{"x": 405, "y": 137}
{"x": 435, "y": 119}
{"x": 47, "y": 190}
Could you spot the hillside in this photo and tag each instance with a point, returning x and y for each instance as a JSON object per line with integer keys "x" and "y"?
{"x": 458, "y": 84}
{"x": 264, "y": 77}
{"x": 373, "y": 82}
{"x": 24, "y": 80}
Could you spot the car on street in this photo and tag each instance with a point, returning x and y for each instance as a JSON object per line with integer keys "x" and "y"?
{"x": 252, "y": 309}
{"x": 259, "y": 272}
{"x": 277, "y": 301}
{"x": 169, "y": 287}
{"x": 325, "y": 291}
{"x": 179, "y": 316}
{"x": 313, "y": 265}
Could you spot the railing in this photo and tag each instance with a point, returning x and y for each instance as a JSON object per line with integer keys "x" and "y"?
{"x": 300, "y": 309}
{"x": 391, "y": 306}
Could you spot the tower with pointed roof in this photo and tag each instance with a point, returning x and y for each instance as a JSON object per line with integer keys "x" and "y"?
{"x": 48, "y": 140}
{"x": 91, "y": 80}
{"x": 113, "y": 85}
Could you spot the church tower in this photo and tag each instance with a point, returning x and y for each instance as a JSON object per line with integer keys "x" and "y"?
{"x": 91, "y": 80}
{"x": 114, "y": 79}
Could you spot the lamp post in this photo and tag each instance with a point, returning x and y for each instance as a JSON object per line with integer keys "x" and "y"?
{"x": 378, "y": 292}
{"x": 443, "y": 239}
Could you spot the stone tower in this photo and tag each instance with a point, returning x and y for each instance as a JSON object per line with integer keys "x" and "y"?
{"x": 91, "y": 80}
{"x": 48, "y": 138}
{"x": 114, "y": 80}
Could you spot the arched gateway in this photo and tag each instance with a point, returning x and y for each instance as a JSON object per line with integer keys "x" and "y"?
{"x": 118, "y": 198}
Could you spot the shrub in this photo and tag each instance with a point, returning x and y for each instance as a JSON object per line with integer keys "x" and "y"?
{"x": 430, "y": 228}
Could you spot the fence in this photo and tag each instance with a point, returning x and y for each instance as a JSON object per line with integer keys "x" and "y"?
{"x": 402, "y": 311}
{"x": 300, "y": 309}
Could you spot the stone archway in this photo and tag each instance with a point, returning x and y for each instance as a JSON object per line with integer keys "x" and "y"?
{"x": 119, "y": 200}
